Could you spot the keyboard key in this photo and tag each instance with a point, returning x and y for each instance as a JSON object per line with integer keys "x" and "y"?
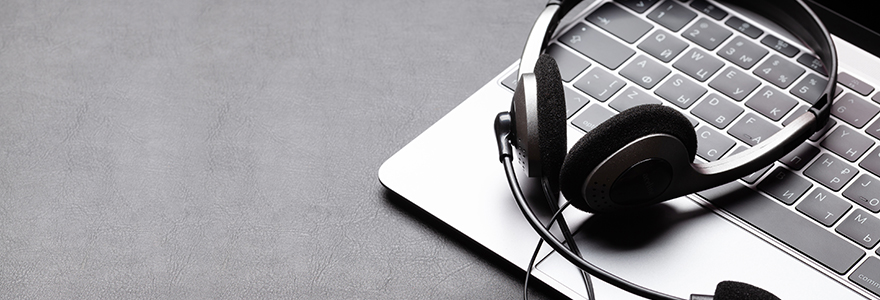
{"x": 638, "y": 6}
{"x": 800, "y": 156}
{"x": 862, "y": 228}
{"x": 847, "y": 143}
{"x": 744, "y": 27}
{"x": 510, "y": 81}
{"x": 632, "y": 97}
{"x": 874, "y": 129}
{"x": 734, "y": 83}
{"x": 771, "y": 103}
{"x": 570, "y": 64}
{"x": 706, "y": 33}
{"x": 698, "y": 64}
{"x": 831, "y": 172}
{"x": 757, "y": 174}
{"x": 591, "y": 117}
{"x": 680, "y": 91}
{"x": 854, "y": 83}
{"x": 824, "y": 207}
{"x": 597, "y": 46}
{"x": 717, "y": 110}
{"x": 868, "y": 275}
{"x": 810, "y": 88}
{"x": 789, "y": 227}
{"x": 854, "y": 110}
{"x": 872, "y": 162}
{"x": 780, "y": 45}
{"x": 645, "y": 72}
{"x": 784, "y": 185}
{"x": 574, "y": 101}
{"x": 779, "y": 71}
{"x": 709, "y": 9}
{"x": 663, "y": 45}
{"x": 865, "y": 192}
{"x": 672, "y": 16}
{"x": 599, "y": 84}
{"x": 752, "y": 129}
{"x": 813, "y": 63}
{"x": 711, "y": 145}
{"x": 619, "y": 22}
{"x": 742, "y": 52}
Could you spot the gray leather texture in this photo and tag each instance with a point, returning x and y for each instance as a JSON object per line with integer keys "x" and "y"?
{"x": 229, "y": 149}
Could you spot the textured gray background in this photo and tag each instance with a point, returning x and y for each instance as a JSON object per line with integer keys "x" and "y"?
{"x": 229, "y": 149}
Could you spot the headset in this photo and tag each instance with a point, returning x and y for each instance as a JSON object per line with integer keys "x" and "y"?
{"x": 644, "y": 155}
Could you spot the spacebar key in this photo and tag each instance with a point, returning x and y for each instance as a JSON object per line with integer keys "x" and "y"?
{"x": 785, "y": 225}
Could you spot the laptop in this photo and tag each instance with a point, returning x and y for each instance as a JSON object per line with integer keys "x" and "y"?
{"x": 805, "y": 227}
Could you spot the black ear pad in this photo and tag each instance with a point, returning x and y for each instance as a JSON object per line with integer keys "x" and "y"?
{"x": 612, "y": 135}
{"x": 732, "y": 290}
{"x": 551, "y": 117}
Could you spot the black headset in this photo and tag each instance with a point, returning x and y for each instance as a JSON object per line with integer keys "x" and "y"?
{"x": 645, "y": 154}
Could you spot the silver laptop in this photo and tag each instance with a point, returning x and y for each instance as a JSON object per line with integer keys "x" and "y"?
{"x": 804, "y": 228}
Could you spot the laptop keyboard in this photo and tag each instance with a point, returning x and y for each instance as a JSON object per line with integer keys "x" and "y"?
{"x": 738, "y": 83}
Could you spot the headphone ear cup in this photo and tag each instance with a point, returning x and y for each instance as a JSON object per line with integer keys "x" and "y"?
{"x": 612, "y": 135}
{"x": 551, "y": 118}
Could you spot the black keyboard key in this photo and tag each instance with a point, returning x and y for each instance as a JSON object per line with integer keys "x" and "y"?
{"x": 645, "y": 72}
{"x": 711, "y": 145}
{"x": 638, "y": 6}
{"x": 709, "y": 9}
{"x": 663, "y": 45}
{"x": 510, "y": 80}
{"x": 744, "y": 27}
{"x": 698, "y": 64}
{"x": 771, "y": 103}
{"x": 672, "y": 16}
{"x": 854, "y": 83}
{"x": 779, "y": 71}
{"x": 824, "y": 207}
{"x": 854, "y": 110}
{"x": 780, "y": 45}
{"x": 847, "y": 143}
{"x": 752, "y": 129}
{"x": 591, "y": 117}
{"x": 574, "y": 101}
{"x": 757, "y": 174}
{"x": 810, "y": 88}
{"x": 619, "y": 22}
{"x": 874, "y": 129}
{"x": 784, "y": 185}
{"x": 861, "y": 227}
{"x": 813, "y": 63}
{"x": 800, "y": 156}
{"x": 865, "y": 191}
{"x": 597, "y": 46}
{"x": 707, "y": 34}
{"x": 632, "y": 97}
{"x": 872, "y": 162}
{"x": 570, "y": 64}
{"x": 717, "y": 110}
{"x": 734, "y": 83}
{"x": 868, "y": 275}
{"x": 831, "y": 172}
{"x": 599, "y": 84}
{"x": 680, "y": 91}
{"x": 742, "y": 52}
{"x": 787, "y": 226}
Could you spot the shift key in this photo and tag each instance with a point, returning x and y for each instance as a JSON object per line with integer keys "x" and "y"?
{"x": 792, "y": 229}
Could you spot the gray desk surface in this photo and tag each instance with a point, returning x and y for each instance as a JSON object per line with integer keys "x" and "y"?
{"x": 229, "y": 149}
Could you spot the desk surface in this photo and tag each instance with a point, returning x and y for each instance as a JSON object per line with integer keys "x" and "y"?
{"x": 214, "y": 149}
